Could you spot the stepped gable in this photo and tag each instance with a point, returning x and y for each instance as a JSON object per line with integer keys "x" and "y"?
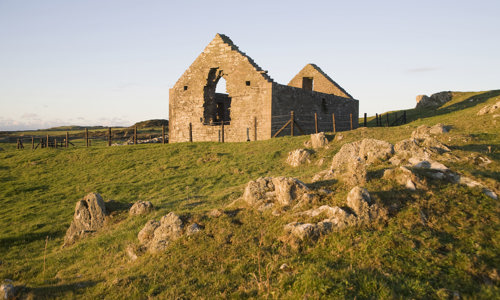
{"x": 313, "y": 78}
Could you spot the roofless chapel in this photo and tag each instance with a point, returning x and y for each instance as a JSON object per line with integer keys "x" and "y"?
{"x": 255, "y": 107}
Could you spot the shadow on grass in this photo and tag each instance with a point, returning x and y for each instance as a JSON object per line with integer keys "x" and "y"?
{"x": 26, "y": 238}
{"x": 59, "y": 290}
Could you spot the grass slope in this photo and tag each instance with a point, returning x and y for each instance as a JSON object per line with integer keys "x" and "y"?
{"x": 240, "y": 253}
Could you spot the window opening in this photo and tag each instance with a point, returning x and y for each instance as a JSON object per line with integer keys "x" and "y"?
{"x": 217, "y": 102}
{"x": 307, "y": 83}
{"x": 247, "y": 83}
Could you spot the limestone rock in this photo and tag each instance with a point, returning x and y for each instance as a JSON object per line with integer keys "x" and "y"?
{"x": 130, "y": 250}
{"x": 360, "y": 202}
{"x": 298, "y": 157}
{"x": 488, "y": 109}
{"x": 369, "y": 150}
{"x": 157, "y": 236}
{"x": 90, "y": 215}
{"x": 419, "y": 148}
{"x": 288, "y": 189}
{"x": 424, "y": 131}
{"x": 215, "y": 213}
{"x": 258, "y": 191}
{"x": 192, "y": 229}
{"x": 434, "y": 101}
{"x": 7, "y": 290}
{"x": 266, "y": 191}
{"x": 404, "y": 176}
{"x": 147, "y": 232}
{"x": 141, "y": 208}
{"x": 318, "y": 140}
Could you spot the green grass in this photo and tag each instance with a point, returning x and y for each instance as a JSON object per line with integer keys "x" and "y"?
{"x": 239, "y": 254}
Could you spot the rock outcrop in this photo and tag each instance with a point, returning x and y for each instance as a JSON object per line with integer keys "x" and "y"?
{"x": 266, "y": 192}
{"x": 488, "y": 109}
{"x": 358, "y": 200}
{"x": 434, "y": 101}
{"x": 90, "y": 216}
{"x": 141, "y": 208}
{"x": 298, "y": 157}
{"x": 350, "y": 163}
{"x": 7, "y": 290}
{"x": 318, "y": 140}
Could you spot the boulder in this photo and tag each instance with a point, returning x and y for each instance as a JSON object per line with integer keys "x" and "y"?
{"x": 7, "y": 290}
{"x": 421, "y": 148}
{"x": 141, "y": 208}
{"x": 147, "y": 232}
{"x": 352, "y": 160}
{"x": 404, "y": 176}
{"x": 288, "y": 190}
{"x": 318, "y": 140}
{"x": 89, "y": 216}
{"x": 192, "y": 229}
{"x": 267, "y": 191}
{"x": 424, "y": 131}
{"x": 156, "y": 236}
{"x": 488, "y": 109}
{"x": 368, "y": 150}
{"x": 298, "y": 157}
{"x": 360, "y": 202}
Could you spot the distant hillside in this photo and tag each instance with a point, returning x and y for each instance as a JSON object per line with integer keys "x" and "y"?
{"x": 74, "y": 127}
{"x": 151, "y": 123}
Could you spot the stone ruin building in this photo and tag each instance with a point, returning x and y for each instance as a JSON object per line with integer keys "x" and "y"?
{"x": 255, "y": 107}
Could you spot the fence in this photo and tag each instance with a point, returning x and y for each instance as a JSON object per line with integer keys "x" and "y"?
{"x": 281, "y": 125}
{"x": 86, "y": 137}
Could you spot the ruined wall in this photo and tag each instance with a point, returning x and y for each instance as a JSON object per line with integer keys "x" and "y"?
{"x": 248, "y": 86}
{"x": 321, "y": 82}
{"x": 305, "y": 103}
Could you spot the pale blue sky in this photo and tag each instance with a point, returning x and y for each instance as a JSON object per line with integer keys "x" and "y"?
{"x": 112, "y": 62}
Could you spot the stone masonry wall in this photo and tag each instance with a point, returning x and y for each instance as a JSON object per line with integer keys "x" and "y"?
{"x": 248, "y": 86}
{"x": 321, "y": 81}
{"x": 305, "y": 103}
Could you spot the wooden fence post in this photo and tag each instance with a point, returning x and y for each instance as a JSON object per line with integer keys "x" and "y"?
{"x": 316, "y": 122}
{"x": 333, "y": 120}
{"x": 222, "y": 131}
{"x": 86, "y": 137}
{"x": 350, "y": 119}
{"x": 255, "y": 127}
{"x": 47, "y": 141}
{"x": 109, "y": 136}
{"x": 190, "y": 132}
{"x": 17, "y": 147}
{"x": 292, "y": 120}
{"x": 135, "y": 135}
{"x": 365, "y": 119}
{"x": 163, "y": 134}
{"x": 67, "y": 139}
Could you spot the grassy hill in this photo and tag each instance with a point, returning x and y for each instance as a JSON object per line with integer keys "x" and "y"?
{"x": 455, "y": 252}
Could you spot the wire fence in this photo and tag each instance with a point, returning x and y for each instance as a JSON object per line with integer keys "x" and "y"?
{"x": 281, "y": 125}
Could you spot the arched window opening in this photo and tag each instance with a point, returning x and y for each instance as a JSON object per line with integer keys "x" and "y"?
{"x": 217, "y": 103}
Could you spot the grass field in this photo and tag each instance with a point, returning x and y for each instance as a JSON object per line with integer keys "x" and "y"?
{"x": 455, "y": 252}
